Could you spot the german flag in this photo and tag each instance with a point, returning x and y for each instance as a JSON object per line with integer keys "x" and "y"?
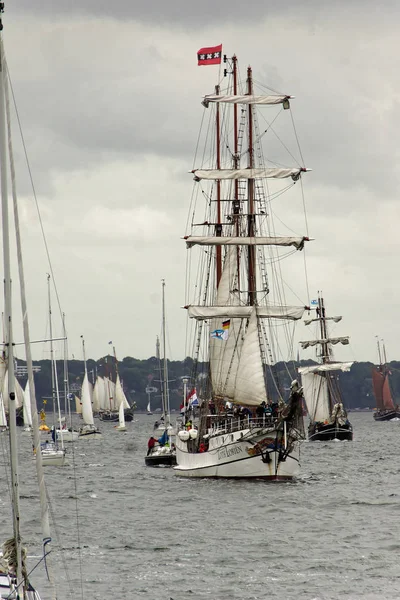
{"x": 226, "y": 324}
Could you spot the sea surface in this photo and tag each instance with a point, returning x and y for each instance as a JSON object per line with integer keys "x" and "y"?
{"x": 124, "y": 530}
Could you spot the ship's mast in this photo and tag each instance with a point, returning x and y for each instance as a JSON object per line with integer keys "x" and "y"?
{"x": 165, "y": 368}
{"x": 250, "y": 191}
{"x": 218, "y": 226}
{"x": 324, "y": 345}
{"x": 236, "y": 163}
{"x": 9, "y": 353}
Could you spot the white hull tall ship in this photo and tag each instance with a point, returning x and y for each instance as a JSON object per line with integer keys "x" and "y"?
{"x": 241, "y": 316}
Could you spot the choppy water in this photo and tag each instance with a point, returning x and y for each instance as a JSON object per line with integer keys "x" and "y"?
{"x": 145, "y": 533}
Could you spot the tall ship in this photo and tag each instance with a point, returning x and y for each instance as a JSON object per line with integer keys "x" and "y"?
{"x": 245, "y": 422}
{"x": 386, "y": 410}
{"x": 323, "y": 397}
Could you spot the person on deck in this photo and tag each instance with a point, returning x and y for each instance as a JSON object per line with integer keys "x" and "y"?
{"x": 150, "y": 445}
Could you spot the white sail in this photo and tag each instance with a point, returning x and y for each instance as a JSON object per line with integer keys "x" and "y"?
{"x": 121, "y": 416}
{"x": 98, "y": 395}
{"x": 78, "y": 405}
{"x": 3, "y": 419}
{"x": 19, "y": 392}
{"x": 244, "y": 312}
{"x": 336, "y": 366}
{"x": 87, "y": 413}
{"x": 339, "y": 340}
{"x": 109, "y": 388}
{"x": 250, "y": 381}
{"x": 257, "y": 173}
{"x": 27, "y": 406}
{"x": 120, "y": 397}
{"x": 297, "y": 242}
{"x": 315, "y": 389}
{"x": 224, "y": 353}
{"x": 247, "y": 99}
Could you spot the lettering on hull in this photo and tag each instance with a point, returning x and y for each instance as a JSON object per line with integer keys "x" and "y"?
{"x": 227, "y": 452}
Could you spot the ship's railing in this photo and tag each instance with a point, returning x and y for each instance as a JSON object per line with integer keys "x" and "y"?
{"x": 219, "y": 424}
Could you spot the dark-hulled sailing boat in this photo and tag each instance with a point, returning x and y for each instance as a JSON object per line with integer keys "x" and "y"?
{"x": 328, "y": 417}
{"x": 385, "y": 407}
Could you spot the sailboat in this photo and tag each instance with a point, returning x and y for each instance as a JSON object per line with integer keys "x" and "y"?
{"x": 67, "y": 434}
{"x": 385, "y": 407}
{"x": 163, "y": 452}
{"x": 115, "y": 394}
{"x": 88, "y": 430}
{"x": 53, "y": 454}
{"x": 14, "y": 579}
{"x": 328, "y": 416}
{"x": 242, "y": 427}
{"x": 121, "y": 426}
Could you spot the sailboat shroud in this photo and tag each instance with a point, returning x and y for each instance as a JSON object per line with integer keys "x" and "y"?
{"x": 237, "y": 312}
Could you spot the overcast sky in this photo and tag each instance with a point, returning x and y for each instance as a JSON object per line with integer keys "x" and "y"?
{"x": 109, "y": 96}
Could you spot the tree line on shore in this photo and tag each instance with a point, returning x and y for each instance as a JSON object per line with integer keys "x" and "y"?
{"x": 141, "y": 375}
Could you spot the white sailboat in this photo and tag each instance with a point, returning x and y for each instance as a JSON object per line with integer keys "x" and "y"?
{"x": 68, "y": 434}
{"x": 242, "y": 321}
{"x": 163, "y": 452}
{"x": 121, "y": 413}
{"x": 53, "y": 454}
{"x": 88, "y": 430}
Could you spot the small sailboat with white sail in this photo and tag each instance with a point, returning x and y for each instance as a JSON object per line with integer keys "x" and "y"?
{"x": 322, "y": 394}
{"x": 161, "y": 450}
{"x": 88, "y": 430}
{"x": 53, "y": 452}
{"x": 121, "y": 425}
{"x": 386, "y": 410}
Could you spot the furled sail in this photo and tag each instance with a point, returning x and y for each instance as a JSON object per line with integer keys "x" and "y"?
{"x": 336, "y": 366}
{"x": 243, "y": 312}
{"x": 224, "y": 354}
{"x": 256, "y": 173}
{"x": 315, "y": 390}
{"x": 297, "y": 242}
{"x": 334, "y": 341}
{"x": 334, "y": 319}
{"x": 250, "y": 381}
{"x": 247, "y": 99}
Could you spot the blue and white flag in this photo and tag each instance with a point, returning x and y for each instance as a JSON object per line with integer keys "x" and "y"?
{"x": 313, "y": 303}
{"x": 220, "y": 334}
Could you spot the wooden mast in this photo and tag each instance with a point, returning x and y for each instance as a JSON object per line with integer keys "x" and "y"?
{"x": 250, "y": 191}
{"x": 324, "y": 345}
{"x": 236, "y": 162}
{"x": 218, "y": 226}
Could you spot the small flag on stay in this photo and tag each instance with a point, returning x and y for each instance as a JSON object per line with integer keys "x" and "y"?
{"x": 209, "y": 56}
{"x": 313, "y": 303}
{"x": 226, "y": 324}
